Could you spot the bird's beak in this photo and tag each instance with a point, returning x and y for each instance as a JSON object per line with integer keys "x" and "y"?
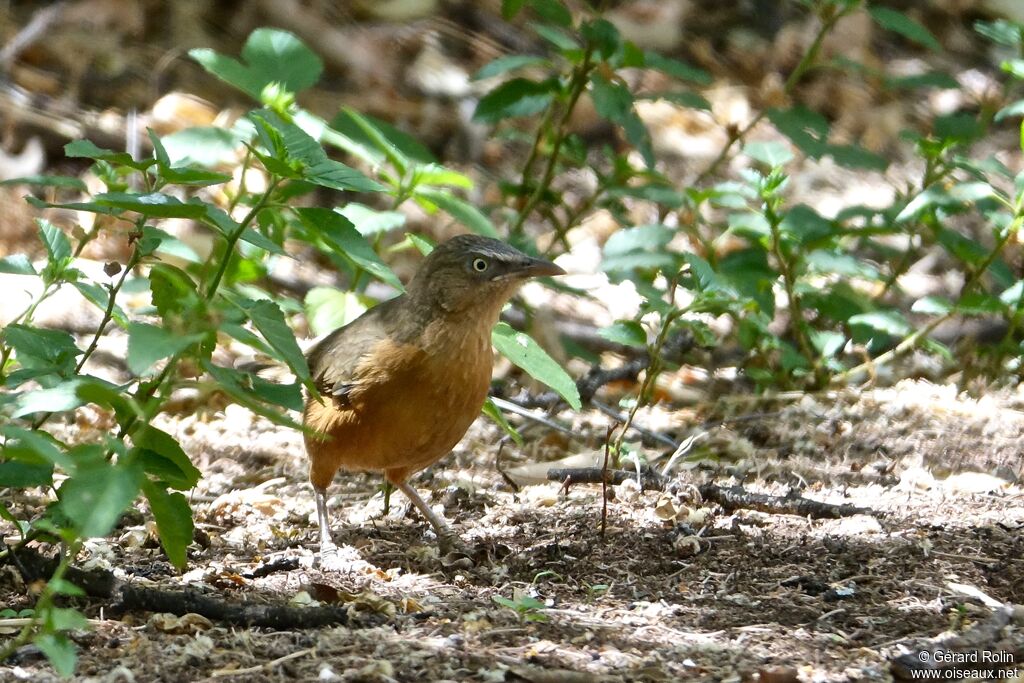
{"x": 535, "y": 267}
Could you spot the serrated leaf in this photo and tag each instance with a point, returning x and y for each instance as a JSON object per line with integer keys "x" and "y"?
{"x": 459, "y": 209}
{"x": 886, "y": 322}
{"x": 527, "y": 354}
{"x": 59, "y": 651}
{"x": 173, "y": 518}
{"x": 676, "y": 68}
{"x": 154, "y": 204}
{"x": 15, "y": 474}
{"x": 180, "y": 472}
{"x": 17, "y": 264}
{"x": 269, "y": 320}
{"x": 339, "y": 233}
{"x": 148, "y": 344}
{"x": 371, "y": 221}
{"x": 900, "y": 23}
{"x": 207, "y": 146}
{"x": 69, "y": 182}
{"x": 58, "y": 247}
{"x": 503, "y": 65}
{"x": 94, "y": 498}
{"x": 328, "y": 309}
{"x": 553, "y": 11}
{"x": 55, "y": 349}
{"x": 239, "y": 386}
{"x": 100, "y": 298}
{"x": 625, "y": 332}
{"x": 773, "y": 154}
{"x": 514, "y": 98}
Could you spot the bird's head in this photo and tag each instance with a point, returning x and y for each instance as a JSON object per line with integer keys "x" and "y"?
{"x": 470, "y": 271}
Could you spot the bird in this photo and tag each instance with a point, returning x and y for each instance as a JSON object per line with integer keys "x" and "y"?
{"x": 400, "y": 385}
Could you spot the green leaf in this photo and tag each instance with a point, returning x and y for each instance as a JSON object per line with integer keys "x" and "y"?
{"x": 298, "y": 146}
{"x": 676, "y": 68}
{"x": 459, "y": 209}
{"x": 69, "y": 182}
{"x": 94, "y": 498}
{"x": 1015, "y": 109}
{"x": 269, "y": 320}
{"x": 153, "y": 204}
{"x": 59, "y": 651}
{"x": 827, "y": 343}
{"x": 100, "y": 298}
{"x": 371, "y": 221}
{"x": 614, "y": 102}
{"x": 639, "y": 247}
{"x": 206, "y": 146}
{"x": 890, "y": 323}
{"x": 173, "y": 518}
{"x": 492, "y": 411}
{"x": 436, "y": 174}
{"x": 853, "y": 156}
{"x": 553, "y": 11}
{"x": 35, "y": 446}
{"x": 15, "y": 474}
{"x": 528, "y": 355}
{"x": 772, "y": 154}
{"x": 148, "y": 343}
{"x": 514, "y": 98}
{"x": 36, "y": 346}
{"x": 900, "y": 23}
{"x": 239, "y": 386}
{"x": 87, "y": 150}
{"x": 269, "y": 56}
{"x": 806, "y": 225}
{"x": 166, "y": 458}
{"x": 368, "y": 132}
{"x": 328, "y": 309}
{"x": 626, "y": 332}
{"x": 503, "y": 65}
{"x": 17, "y": 264}
{"x": 58, "y": 247}
{"x": 339, "y": 234}
{"x": 510, "y": 8}
{"x": 58, "y": 398}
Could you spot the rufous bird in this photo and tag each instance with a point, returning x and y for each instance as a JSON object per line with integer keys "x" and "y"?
{"x": 400, "y": 385}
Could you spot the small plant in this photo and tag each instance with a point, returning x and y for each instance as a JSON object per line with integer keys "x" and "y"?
{"x": 527, "y": 608}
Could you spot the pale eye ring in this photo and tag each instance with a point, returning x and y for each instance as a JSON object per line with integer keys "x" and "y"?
{"x": 479, "y": 265}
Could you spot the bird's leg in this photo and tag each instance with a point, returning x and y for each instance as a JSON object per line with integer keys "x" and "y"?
{"x": 441, "y": 527}
{"x": 447, "y": 539}
{"x": 332, "y": 557}
{"x": 323, "y": 518}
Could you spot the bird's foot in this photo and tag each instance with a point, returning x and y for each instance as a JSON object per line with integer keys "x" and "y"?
{"x": 344, "y": 559}
{"x": 455, "y": 553}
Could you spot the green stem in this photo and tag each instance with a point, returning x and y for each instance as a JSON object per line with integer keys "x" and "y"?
{"x": 806, "y": 62}
{"x": 578, "y": 85}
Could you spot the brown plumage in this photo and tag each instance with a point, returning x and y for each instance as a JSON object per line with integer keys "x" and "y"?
{"x": 401, "y": 384}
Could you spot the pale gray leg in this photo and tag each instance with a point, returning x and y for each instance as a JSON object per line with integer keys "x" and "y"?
{"x": 336, "y": 558}
{"x": 323, "y": 518}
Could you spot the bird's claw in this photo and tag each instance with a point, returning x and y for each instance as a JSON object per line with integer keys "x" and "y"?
{"x": 344, "y": 560}
{"x": 456, "y": 554}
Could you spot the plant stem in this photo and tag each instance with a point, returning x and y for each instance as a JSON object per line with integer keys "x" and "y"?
{"x": 578, "y": 85}
{"x": 805, "y": 63}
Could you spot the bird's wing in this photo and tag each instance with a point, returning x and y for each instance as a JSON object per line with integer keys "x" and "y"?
{"x": 334, "y": 362}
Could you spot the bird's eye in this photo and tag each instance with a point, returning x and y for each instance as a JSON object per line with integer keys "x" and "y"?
{"x": 479, "y": 265}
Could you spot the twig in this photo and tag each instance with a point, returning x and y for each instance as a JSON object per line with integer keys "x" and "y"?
{"x": 37, "y": 25}
{"x": 219, "y": 673}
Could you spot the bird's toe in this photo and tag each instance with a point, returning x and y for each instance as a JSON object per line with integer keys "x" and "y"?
{"x": 344, "y": 559}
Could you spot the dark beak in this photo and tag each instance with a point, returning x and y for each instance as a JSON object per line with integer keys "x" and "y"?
{"x": 535, "y": 267}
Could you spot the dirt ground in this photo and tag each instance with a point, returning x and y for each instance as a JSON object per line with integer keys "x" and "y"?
{"x": 674, "y": 590}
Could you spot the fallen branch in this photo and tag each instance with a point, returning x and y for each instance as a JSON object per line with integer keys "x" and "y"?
{"x": 128, "y": 597}
{"x": 730, "y": 498}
